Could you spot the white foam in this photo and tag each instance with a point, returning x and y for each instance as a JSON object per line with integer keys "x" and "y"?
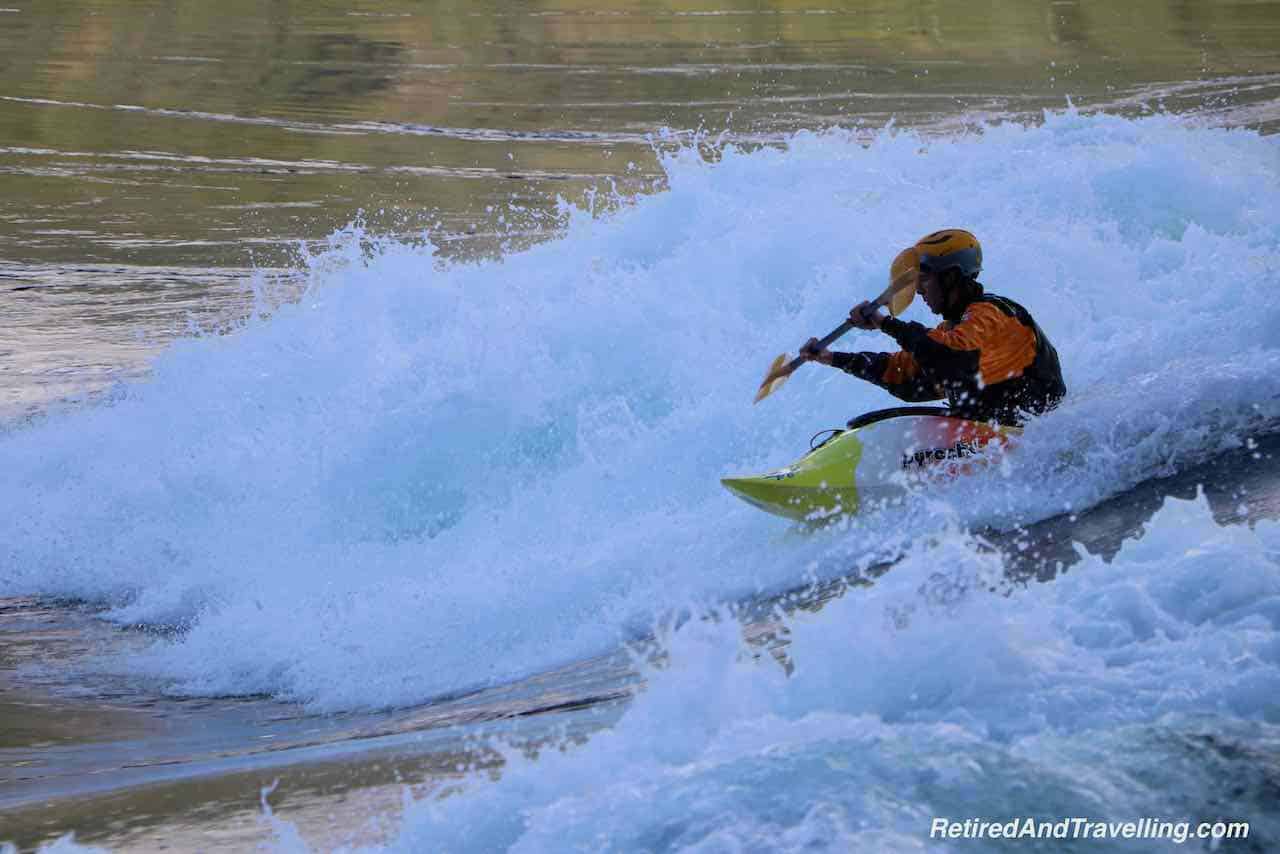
{"x": 422, "y": 478}
{"x": 1118, "y": 692}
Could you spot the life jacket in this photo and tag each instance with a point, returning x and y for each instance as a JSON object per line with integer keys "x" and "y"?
{"x": 989, "y": 359}
{"x": 1035, "y": 388}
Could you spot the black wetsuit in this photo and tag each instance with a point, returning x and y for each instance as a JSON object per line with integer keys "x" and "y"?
{"x": 988, "y": 358}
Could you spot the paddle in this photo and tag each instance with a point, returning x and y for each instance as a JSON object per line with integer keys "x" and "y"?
{"x": 901, "y": 291}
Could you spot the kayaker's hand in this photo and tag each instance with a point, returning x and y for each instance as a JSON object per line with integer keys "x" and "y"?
{"x": 864, "y": 316}
{"x": 812, "y": 352}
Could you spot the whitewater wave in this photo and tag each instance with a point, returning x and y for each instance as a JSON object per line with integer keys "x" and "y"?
{"x": 1143, "y": 687}
{"x": 425, "y": 477}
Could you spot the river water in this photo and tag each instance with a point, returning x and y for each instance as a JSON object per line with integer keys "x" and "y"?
{"x": 367, "y": 371}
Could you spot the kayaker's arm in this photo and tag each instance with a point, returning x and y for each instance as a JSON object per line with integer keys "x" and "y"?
{"x": 864, "y": 366}
{"x": 949, "y": 355}
{"x": 896, "y": 373}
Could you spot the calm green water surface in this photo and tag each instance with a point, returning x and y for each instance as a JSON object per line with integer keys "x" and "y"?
{"x": 153, "y": 152}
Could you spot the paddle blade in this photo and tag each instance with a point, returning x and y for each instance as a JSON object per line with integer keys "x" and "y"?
{"x": 904, "y": 275}
{"x": 774, "y": 379}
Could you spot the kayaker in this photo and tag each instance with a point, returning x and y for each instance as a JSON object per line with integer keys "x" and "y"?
{"x": 988, "y": 358}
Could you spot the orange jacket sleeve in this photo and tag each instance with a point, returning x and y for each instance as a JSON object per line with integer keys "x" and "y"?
{"x": 986, "y": 344}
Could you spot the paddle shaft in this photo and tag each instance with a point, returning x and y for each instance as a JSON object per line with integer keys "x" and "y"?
{"x": 831, "y": 337}
{"x": 822, "y": 345}
{"x": 903, "y": 283}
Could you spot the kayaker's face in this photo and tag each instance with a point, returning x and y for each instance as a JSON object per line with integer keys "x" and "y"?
{"x": 931, "y": 289}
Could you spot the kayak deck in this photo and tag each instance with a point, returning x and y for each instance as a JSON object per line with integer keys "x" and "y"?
{"x": 880, "y": 455}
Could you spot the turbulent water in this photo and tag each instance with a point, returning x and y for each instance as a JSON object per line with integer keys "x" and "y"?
{"x": 423, "y": 477}
{"x": 1144, "y": 687}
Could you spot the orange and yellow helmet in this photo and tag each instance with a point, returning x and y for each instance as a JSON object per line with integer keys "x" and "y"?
{"x": 950, "y": 249}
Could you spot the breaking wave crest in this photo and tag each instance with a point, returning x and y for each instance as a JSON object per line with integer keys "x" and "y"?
{"x": 425, "y": 477}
